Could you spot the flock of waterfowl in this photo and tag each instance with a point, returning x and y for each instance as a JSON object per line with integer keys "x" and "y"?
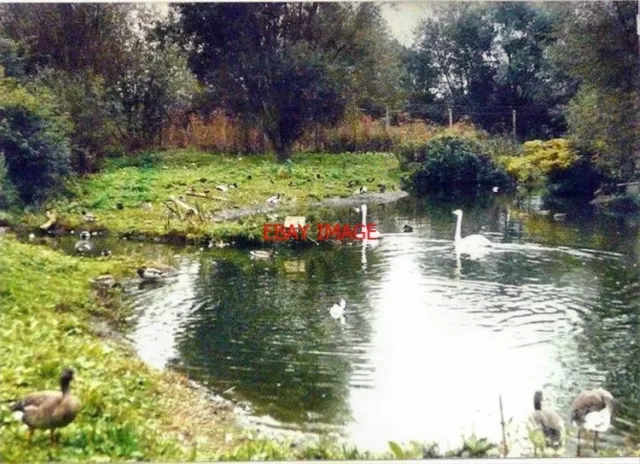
{"x": 591, "y": 410}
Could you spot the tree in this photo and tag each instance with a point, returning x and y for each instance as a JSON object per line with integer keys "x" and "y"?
{"x": 33, "y": 141}
{"x": 597, "y": 44}
{"x": 487, "y": 60}
{"x": 287, "y": 64}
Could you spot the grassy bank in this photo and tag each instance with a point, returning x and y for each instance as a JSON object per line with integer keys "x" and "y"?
{"x": 128, "y": 196}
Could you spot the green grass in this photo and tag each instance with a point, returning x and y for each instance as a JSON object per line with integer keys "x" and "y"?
{"x": 155, "y": 177}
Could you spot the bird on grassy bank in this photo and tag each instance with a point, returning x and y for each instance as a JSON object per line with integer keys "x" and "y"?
{"x": 83, "y": 245}
{"x": 262, "y": 254}
{"x": 147, "y": 273}
{"x": 592, "y": 410}
{"x": 274, "y": 199}
{"x": 470, "y": 243}
{"x": 337, "y": 311}
{"x": 88, "y": 217}
{"x": 407, "y": 228}
{"x": 548, "y": 422}
{"x": 49, "y": 410}
{"x": 105, "y": 282}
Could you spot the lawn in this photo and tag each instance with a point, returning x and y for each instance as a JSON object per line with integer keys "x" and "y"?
{"x": 128, "y": 196}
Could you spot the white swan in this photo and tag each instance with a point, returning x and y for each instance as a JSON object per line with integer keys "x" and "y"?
{"x": 337, "y": 311}
{"x": 471, "y": 244}
{"x": 362, "y": 235}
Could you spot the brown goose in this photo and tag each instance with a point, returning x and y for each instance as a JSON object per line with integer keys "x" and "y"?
{"x": 49, "y": 409}
{"x": 547, "y": 421}
{"x": 592, "y": 410}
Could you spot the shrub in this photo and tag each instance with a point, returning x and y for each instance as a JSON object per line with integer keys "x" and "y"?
{"x": 540, "y": 160}
{"x": 449, "y": 164}
{"x": 33, "y": 140}
{"x": 85, "y": 98}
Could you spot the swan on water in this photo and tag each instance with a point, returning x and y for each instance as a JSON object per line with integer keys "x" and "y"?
{"x": 470, "y": 243}
{"x": 592, "y": 410}
{"x": 337, "y": 311}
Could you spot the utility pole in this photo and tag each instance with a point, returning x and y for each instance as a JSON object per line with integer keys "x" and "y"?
{"x": 387, "y": 118}
{"x": 451, "y": 113}
{"x": 513, "y": 117}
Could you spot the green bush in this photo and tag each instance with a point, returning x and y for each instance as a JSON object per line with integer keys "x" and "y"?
{"x": 33, "y": 140}
{"x": 449, "y": 164}
{"x": 85, "y": 98}
{"x": 540, "y": 161}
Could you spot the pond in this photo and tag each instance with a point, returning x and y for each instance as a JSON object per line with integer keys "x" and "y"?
{"x": 430, "y": 341}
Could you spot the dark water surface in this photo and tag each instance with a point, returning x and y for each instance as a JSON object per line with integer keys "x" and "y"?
{"x": 430, "y": 341}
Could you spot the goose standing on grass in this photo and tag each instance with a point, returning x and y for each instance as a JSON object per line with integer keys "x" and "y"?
{"x": 83, "y": 245}
{"x": 374, "y": 235}
{"x": 49, "y": 409}
{"x": 548, "y": 422}
{"x": 470, "y": 243}
{"x": 337, "y": 311}
{"x": 592, "y": 410}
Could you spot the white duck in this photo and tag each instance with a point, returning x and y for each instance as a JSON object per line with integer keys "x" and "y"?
{"x": 471, "y": 244}
{"x": 337, "y": 311}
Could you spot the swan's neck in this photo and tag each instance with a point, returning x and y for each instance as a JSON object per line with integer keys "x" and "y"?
{"x": 458, "y": 235}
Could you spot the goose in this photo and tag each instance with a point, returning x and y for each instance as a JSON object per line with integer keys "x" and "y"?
{"x": 262, "y": 254}
{"x": 361, "y": 191}
{"x": 592, "y": 410}
{"x": 559, "y": 216}
{"x": 153, "y": 273}
{"x": 470, "y": 243}
{"x": 382, "y": 187}
{"x": 106, "y": 252}
{"x": 83, "y": 245}
{"x": 547, "y": 421}
{"x": 337, "y": 311}
{"x": 374, "y": 235}
{"x": 49, "y": 409}
{"x": 407, "y": 228}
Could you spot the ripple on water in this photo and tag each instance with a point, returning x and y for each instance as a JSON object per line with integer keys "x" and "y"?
{"x": 426, "y": 335}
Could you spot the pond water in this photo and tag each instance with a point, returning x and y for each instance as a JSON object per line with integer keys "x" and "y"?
{"x": 430, "y": 341}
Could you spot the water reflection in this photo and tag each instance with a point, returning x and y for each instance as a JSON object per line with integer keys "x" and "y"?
{"x": 432, "y": 338}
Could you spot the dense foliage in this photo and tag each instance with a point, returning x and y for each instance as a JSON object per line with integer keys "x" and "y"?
{"x": 451, "y": 164}
{"x": 33, "y": 141}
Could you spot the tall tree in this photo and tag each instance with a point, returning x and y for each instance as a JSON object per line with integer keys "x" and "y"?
{"x": 598, "y": 44}
{"x": 288, "y": 64}
{"x": 487, "y": 59}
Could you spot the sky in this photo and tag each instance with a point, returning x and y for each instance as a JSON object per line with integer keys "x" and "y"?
{"x": 402, "y": 17}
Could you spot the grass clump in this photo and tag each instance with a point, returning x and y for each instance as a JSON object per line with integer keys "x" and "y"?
{"x": 129, "y": 411}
